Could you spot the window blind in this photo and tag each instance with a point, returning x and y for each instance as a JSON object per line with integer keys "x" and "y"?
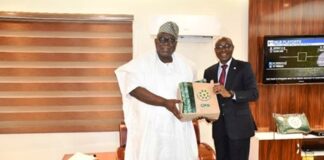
{"x": 57, "y": 71}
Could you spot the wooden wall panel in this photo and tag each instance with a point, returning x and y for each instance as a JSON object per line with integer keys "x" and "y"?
{"x": 284, "y": 17}
{"x": 57, "y": 71}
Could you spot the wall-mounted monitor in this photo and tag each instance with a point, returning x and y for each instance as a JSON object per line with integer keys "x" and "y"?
{"x": 293, "y": 59}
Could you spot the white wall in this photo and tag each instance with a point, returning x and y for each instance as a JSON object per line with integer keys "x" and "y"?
{"x": 233, "y": 17}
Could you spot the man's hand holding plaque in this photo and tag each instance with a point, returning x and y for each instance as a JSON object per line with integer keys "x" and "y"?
{"x": 220, "y": 89}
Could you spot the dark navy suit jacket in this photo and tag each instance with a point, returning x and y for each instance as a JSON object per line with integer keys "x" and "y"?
{"x": 239, "y": 122}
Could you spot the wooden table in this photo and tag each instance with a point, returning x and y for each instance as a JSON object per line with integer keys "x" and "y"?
{"x": 99, "y": 156}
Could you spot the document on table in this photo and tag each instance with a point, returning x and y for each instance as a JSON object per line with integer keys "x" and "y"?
{"x": 82, "y": 156}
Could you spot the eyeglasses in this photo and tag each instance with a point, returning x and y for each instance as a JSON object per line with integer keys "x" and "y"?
{"x": 167, "y": 40}
{"x": 226, "y": 46}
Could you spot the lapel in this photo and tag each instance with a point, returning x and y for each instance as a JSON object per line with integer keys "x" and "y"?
{"x": 231, "y": 74}
{"x": 215, "y": 76}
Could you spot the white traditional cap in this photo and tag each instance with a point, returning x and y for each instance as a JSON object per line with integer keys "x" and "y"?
{"x": 171, "y": 28}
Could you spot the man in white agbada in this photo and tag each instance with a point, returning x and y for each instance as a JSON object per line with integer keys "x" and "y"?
{"x": 149, "y": 90}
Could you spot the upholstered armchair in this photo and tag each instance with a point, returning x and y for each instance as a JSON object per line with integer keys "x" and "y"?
{"x": 205, "y": 151}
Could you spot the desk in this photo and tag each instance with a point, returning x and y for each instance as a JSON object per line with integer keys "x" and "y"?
{"x": 272, "y": 145}
{"x": 100, "y": 156}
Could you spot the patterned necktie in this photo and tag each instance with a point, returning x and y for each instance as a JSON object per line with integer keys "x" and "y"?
{"x": 223, "y": 75}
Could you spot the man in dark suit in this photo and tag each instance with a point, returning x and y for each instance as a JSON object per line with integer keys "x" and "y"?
{"x": 236, "y": 87}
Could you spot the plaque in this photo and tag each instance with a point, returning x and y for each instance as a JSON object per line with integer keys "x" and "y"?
{"x": 198, "y": 100}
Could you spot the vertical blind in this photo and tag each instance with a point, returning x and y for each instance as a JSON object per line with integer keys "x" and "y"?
{"x": 57, "y": 71}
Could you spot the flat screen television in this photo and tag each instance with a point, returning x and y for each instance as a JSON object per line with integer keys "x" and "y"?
{"x": 293, "y": 59}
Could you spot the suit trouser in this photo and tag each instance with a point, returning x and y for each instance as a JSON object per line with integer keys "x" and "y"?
{"x": 226, "y": 148}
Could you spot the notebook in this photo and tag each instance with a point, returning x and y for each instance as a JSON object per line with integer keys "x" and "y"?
{"x": 317, "y": 132}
